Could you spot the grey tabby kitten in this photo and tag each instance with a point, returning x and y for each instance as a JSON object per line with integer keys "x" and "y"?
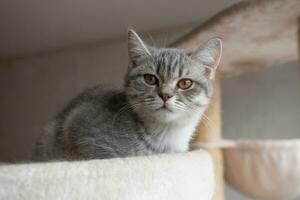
{"x": 166, "y": 92}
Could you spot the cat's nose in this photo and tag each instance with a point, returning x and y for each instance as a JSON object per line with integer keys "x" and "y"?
{"x": 165, "y": 96}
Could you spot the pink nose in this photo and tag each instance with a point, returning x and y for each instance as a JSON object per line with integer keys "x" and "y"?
{"x": 165, "y": 96}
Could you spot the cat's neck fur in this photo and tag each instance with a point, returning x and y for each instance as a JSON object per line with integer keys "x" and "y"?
{"x": 173, "y": 136}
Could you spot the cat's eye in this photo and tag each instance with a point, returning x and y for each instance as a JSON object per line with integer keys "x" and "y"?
{"x": 150, "y": 79}
{"x": 185, "y": 84}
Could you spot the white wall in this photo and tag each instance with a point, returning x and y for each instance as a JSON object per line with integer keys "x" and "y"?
{"x": 265, "y": 104}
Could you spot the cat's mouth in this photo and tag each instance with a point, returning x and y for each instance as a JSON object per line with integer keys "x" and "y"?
{"x": 164, "y": 107}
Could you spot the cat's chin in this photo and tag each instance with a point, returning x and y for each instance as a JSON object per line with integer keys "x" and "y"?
{"x": 163, "y": 114}
{"x": 166, "y": 115}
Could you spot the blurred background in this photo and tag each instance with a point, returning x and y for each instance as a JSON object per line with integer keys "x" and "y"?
{"x": 52, "y": 50}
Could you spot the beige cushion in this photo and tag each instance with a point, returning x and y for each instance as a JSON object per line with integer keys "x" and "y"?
{"x": 262, "y": 169}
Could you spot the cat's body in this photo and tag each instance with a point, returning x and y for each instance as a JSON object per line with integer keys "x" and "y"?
{"x": 94, "y": 126}
{"x": 155, "y": 113}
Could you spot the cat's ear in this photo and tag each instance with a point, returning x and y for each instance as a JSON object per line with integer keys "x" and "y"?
{"x": 137, "y": 49}
{"x": 210, "y": 55}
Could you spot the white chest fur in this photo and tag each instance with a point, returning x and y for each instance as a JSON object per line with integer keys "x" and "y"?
{"x": 174, "y": 137}
{"x": 177, "y": 137}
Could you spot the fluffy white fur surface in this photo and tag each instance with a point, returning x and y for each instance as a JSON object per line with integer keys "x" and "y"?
{"x": 186, "y": 176}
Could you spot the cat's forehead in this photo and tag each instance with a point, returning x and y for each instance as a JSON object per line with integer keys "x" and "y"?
{"x": 169, "y": 54}
{"x": 174, "y": 63}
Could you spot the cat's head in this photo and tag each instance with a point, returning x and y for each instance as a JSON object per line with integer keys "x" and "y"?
{"x": 168, "y": 84}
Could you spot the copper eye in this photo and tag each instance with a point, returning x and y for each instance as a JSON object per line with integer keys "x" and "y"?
{"x": 185, "y": 84}
{"x": 150, "y": 79}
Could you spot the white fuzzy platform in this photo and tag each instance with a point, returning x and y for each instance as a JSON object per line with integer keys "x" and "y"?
{"x": 186, "y": 176}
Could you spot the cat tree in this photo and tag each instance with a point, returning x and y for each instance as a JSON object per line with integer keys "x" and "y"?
{"x": 256, "y": 34}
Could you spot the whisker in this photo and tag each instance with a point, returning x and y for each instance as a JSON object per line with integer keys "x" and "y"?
{"x": 151, "y": 38}
{"x": 179, "y": 107}
{"x": 166, "y": 39}
{"x": 210, "y": 124}
{"x": 128, "y": 107}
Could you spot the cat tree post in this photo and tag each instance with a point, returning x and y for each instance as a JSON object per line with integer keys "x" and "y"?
{"x": 298, "y": 39}
{"x": 210, "y": 131}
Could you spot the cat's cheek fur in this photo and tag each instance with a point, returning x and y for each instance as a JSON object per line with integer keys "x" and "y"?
{"x": 202, "y": 99}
